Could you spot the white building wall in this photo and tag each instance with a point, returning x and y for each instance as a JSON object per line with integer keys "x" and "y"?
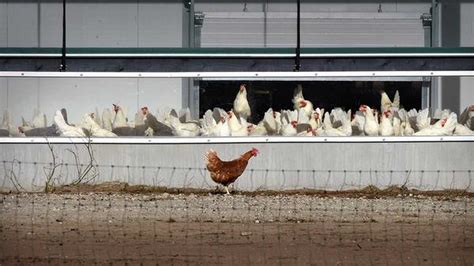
{"x": 467, "y": 39}
{"x": 146, "y": 24}
{"x": 312, "y": 6}
{"x": 90, "y": 24}
{"x": 349, "y": 25}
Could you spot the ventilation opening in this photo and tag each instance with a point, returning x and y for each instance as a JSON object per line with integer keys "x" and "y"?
{"x": 323, "y": 94}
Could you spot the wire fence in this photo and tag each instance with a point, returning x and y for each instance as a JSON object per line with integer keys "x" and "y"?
{"x": 21, "y": 176}
{"x": 84, "y": 212}
{"x": 169, "y": 228}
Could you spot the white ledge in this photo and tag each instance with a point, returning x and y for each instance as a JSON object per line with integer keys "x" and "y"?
{"x": 238, "y": 75}
{"x": 204, "y": 140}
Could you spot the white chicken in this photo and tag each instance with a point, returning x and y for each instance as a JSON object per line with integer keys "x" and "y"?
{"x": 241, "y": 104}
{"x": 316, "y": 118}
{"x": 467, "y": 117}
{"x": 94, "y": 129}
{"x": 96, "y": 118}
{"x": 272, "y": 122}
{"x": 309, "y": 132}
{"x": 184, "y": 115}
{"x": 289, "y": 129}
{"x": 140, "y": 117}
{"x": 7, "y": 129}
{"x": 257, "y": 130}
{"x": 397, "y": 127}
{"x": 386, "y": 127}
{"x": 462, "y": 130}
{"x": 300, "y": 103}
{"x": 357, "y": 123}
{"x": 422, "y": 118}
{"x": 120, "y": 118}
{"x": 107, "y": 119}
{"x": 238, "y": 126}
{"x": 387, "y": 104}
{"x": 289, "y": 121}
{"x": 371, "y": 124}
{"x": 39, "y": 119}
{"x": 441, "y": 114}
{"x": 406, "y": 128}
{"x": 338, "y": 123}
{"x": 214, "y": 124}
{"x": 187, "y": 129}
{"x": 443, "y": 127}
{"x": 64, "y": 129}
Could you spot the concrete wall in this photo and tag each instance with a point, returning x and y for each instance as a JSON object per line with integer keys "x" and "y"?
{"x": 282, "y": 166}
{"x": 90, "y": 24}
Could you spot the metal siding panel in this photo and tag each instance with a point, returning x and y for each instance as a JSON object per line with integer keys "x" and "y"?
{"x": 155, "y": 92}
{"x": 3, "y": 95}
{"x": 232, "y": 32}
{"x": 51, "y": 24}
{"x": 412, "y": 164}
{"x": 246, "y": 30}
{"x": 3, "y": 24}
{"x": 160, "y": 25}
{"x": 360, "y": 6}
{"x": 22, "y": 24}
{"x": 81, "y": 96}
{"x": 22, "y": 98}
{"x": 103, "y": 24}
{"x": 467, "y": 39}
{"x": 212, "y": 6}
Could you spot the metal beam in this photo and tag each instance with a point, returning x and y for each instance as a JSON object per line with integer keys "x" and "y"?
{"x": 238, "y": 75}
{"x": 206, "y": 140}
{"x": 233, "y": 55}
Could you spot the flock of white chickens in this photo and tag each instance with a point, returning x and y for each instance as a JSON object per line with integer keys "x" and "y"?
{"x": 304, "y": 120}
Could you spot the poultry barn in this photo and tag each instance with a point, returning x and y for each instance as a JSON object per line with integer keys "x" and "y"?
{"x": 256, "y": 132}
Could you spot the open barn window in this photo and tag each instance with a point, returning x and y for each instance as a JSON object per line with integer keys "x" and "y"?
{"x": 324, "y": 94}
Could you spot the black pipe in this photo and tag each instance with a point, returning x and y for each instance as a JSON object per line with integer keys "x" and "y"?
{"x": 298, "y": 37}
{"x": 63, "y": 50}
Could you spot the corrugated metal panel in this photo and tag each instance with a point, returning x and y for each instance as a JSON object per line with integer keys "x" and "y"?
{"x": 342, "y": 29}
{"x": 280, "y": 166}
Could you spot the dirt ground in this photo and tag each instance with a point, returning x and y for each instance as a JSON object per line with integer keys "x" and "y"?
{"x": 166, "y": 229}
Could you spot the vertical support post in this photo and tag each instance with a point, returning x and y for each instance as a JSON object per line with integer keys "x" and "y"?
{"x": 298, "y": 37}
{"x": 427, "y": 81}
{"x": 191, "y": 24}
{"x": 63, "y": 50}
{"x": 435, "y": 95}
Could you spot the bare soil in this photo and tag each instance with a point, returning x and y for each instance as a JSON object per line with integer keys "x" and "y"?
{"x": 210, "y": 229}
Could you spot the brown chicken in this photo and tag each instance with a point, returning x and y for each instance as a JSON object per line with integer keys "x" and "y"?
{"x": 226, "y": 172}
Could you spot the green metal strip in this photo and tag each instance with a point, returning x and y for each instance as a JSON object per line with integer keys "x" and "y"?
{"x": 210, "y": 51}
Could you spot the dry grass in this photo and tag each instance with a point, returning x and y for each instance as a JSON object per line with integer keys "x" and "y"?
{"x": 370, "y": 192}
